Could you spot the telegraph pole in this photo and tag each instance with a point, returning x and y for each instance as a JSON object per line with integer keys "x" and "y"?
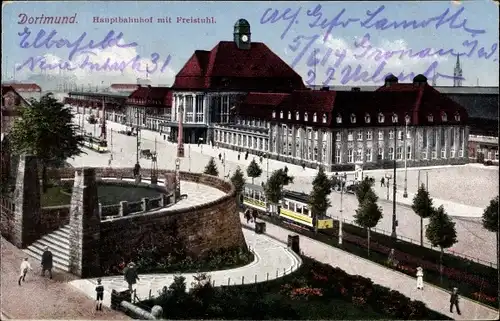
{"x": 394, "y": 220}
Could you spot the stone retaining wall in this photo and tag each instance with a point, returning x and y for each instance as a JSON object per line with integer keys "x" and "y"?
{"x": 53, "y": 218}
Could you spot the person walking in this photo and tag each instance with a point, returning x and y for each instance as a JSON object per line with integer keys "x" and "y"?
{"x": 382, "y": 182}
{"x": 254, "y": 216}
{"x": 130, "y": 274}
{"x": 25, "y": 265}
{"x": 247, "y": 215}
{"x": 99, "y": 290}
{"x": 454, "y": 301}
{"x": 420, "y": 278}
{"x": 47, "y": 262}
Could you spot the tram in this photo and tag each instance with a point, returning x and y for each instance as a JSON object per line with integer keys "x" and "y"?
{"x": 96, "y": 144}
{"x": 293, "y": 207}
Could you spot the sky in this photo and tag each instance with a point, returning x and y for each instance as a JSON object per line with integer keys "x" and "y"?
{"x": 358, "y": 53}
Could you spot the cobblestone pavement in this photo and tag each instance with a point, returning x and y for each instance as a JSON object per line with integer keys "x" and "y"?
{"x": 434, "y": 297}
{"x": 42, "y": 298}
{"x": 272, "y": 259}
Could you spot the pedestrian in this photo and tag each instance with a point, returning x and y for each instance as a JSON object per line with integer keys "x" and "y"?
{"x": 303, "y": 166}
{"x": 420, "y": 278}
{"x": 130, "y": 274}
{"x": 109, "y": 162}
{"x": 238, "y": 156}
{"x": 220, "y": 156}
{"x": 247, "y": 215}
{"x": 454, "y": 301}
{"x": 260, "y": 159}
{"x": 47, "y": 262}
{"x": 99, "y": 290}
{"x": 382, "y": 182}
{"x": 254, "y": 216}
{"x": 25, "y": 265}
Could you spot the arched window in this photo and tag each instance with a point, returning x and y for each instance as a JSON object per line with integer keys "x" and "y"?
{"x": 381, "y": 118}
{"x": 353, "y": 118}
{"x": 394, "y": 118}
{"x": 306, "y": 117}
{"x": 274, "y": 113}
{"x": 315, "y": 117}
{"x": 430, "y": 118}
{"x": 367, "y": 118}
{"x": 281, "y": 114}
{"x": 297, "y": 115}
{"x": 325, "y": 118}
{"x": 339, "y": 119}
{"x": 444, "y": 116}
{"x": 457, "y": 116}
{"x": 289, "y": 115}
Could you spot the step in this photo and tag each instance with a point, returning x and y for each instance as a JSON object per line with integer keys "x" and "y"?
{"x": 54, "y": 247}
{"x": 38, "y": 257}
{"x": 56, "y": 257}
{"x": 66, "y": 229}
{"x": 61, "y": 234}
{"x": 53, "y": 237}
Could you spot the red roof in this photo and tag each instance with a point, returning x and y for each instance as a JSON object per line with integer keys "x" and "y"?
{"x": 230, "y": 68}
{"x": 22, "y": 88}
{"x": 155, "y": 96}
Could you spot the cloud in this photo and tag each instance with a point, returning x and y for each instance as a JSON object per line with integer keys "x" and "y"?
{"x": 369, "y": 56}
{"x": 86, "y": 74}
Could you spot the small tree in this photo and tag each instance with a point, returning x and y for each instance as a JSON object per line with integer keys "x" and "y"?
{"x": 274, "y": 186}
{"x": 92, "y": 119}
{"x": 490, "y": 219}
{"x": 238, "y": 180}
{"x": 211, "y": 168}
{"x": 368, "y": 214}
{"x": 254, "y": 170}
{"x": 363, "y": 188}
{"x": 318, "y": 199}
{"x": 441, "y": 232}
{"x": 422, "y": 206}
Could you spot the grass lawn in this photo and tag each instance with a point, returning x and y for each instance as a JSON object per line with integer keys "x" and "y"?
{"x": 54, "y": 197}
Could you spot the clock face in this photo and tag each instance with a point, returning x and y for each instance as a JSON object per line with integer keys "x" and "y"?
{"x": 244, "y": 38}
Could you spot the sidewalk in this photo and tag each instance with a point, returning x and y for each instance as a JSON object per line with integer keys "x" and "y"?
{"x": 435, "y": 298}
{"x": 42, "y": 298}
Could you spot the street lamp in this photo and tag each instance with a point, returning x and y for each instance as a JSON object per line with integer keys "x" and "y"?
{"x": 394, "y": 220}
{"x": 388, "y": 178}
{"x": 343, "y": 178}
{"x": 267, "y": 167}
{"x": 405, "y": 191}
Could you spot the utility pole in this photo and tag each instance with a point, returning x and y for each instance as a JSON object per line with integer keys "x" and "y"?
{"x": 394, "y": 220}
{"x": 343, "y": 178}
{"x": 138, "y": 143}
{"x": 405, "y": 191}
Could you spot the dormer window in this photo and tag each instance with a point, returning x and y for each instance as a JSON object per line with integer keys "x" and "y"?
{"x": 407, "y": 119}
{"x": 297, "y": 116}
{"x": 289, "y": 115}
{"x": 305, "y": 116}
{"x": 367, "y": 118}
{"x": 381, "y": 118}
{"x": 353, "y": 118}
{"x": 315, "y": 117}
{"x": 444, "y": 116}
{"x": 281, "y": 114}
{"x": 339, "y": 119}
{"x": 274, "y": 114}
{"x": 457, "y": 116}
{"x": 394, "y": 118}
{"x": 325, "y": 118}
{"x": 430, "y": 118}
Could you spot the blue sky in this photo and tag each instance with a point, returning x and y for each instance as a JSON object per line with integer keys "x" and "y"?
{"x": 181, "y": 40}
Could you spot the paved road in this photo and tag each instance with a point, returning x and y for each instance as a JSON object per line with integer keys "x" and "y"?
{"x": 435, "y": 298}
{"x": 272, "y": 259}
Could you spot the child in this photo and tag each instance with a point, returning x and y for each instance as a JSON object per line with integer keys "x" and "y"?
{"x": 25, "y": 265}
{"x": 99, "y": 289}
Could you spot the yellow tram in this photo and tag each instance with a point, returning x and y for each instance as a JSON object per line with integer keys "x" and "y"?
{"x": 96, "y": 144}
{"x": 293, "y": 207}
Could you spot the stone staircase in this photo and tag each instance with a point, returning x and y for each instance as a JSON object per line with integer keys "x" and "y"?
{"x": 58, "y": 243}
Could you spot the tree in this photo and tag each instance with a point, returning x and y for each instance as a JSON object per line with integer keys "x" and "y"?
{"x": 422, "y": 206}
{"x": 211, "y": 168}
{"x": 238, "y": 180}
{"x": 368, "y": 214}
{"x": 92, "y": 119}
{"x": 363, "y": 188}
{"x": 490, "y": 219}
{"x": 254, "y": 170}
{"x": 45, "y": 129}
{"x": 318, "y": 199}
{"x": 441, "y": 233}
{"x": 274, "y": 186}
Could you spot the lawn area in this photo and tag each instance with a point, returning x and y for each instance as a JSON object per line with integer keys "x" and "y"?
{"x": 54, "y": 197}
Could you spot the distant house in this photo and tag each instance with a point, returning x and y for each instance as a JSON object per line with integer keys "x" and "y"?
{"x": 12, "y": 101}
{"x": 26, "y": 91}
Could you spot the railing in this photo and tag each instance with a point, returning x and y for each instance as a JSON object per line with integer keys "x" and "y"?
{"x": 426, "y": 244}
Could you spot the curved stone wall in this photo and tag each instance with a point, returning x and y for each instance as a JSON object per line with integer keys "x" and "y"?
{"x": 194, "y": 231}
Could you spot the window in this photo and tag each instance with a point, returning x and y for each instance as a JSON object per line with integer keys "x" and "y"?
{"x": 380, "y": 135}
{"x": 399, "y": 153}
{"x": 369, "y": 135}
{"x": 338, "y": 157}
{"x": 381, "y": 118}
{"x": 424, "y": 153}
{"x": 380, "y": 153}
{"x": 408, "y": 134}
{"x": 297, "y": 116}
{"x": 239, "y": 139}
{"x": 289, "y": 115}
{"x": 360, "y": 135}
{"x": 305, "y": 117}
{"x": 461, "y": 153}
{"x": 367, "y": 118}
{"x": 325, "y": 118}
{"x": 339, "y": 119}
{"x": 261, "y": 143}
{"x": 255, "y": 142}
{"x": 350, "y": 156}
{"x": 359, "y": 155}
{"x": 199, "y": 108}
{"x": 443, "y": 153}
{"x": 338, "y": 137}
{"x": 434, "y": 154}
{"x": 189, "y": 109}
{"x": 430, "y": 118}
{"x": 407, "y": 119}
{"x": 353, "y": 118}
{"x": 281, "y": 114}
{"x": 350, "y": 136}
{"x": 368, "y": 154}
{"x": 452, "y": 152}
{"x": 444, "y": 116}
{"x": 391, "y": 153}
{"x": 457, "y": 116}
{"x": 274, "y": 114}
{"x": 315, "y": 117}
{"x": 400, "y": 134}
{"x": 391, "y": 134}
{"x": 394, "y": 118}
{"x": 408, "y": 152}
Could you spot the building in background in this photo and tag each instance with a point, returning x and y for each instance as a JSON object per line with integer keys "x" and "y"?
{"x": 25, "y": 90}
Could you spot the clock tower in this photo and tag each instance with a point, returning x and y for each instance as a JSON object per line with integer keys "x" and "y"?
{"x": 242, "y": 34}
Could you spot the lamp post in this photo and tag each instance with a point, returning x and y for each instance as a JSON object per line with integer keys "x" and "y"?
{"x": 177, "y": 178}
{"x": 405, "y": 191}
{"x": 343, "y": 178}
{"x": 394, "y": 220}
{"x": 267, "y": 167}
{"x": 224, "y": 165}
{"x": 388, "y": 177}
{"x": 137, "y": 139}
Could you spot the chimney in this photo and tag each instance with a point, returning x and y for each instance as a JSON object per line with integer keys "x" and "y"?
{"x": 355, "y": 89}
{"x": 391, "y": 79}
{"x": 326, "y": 88}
